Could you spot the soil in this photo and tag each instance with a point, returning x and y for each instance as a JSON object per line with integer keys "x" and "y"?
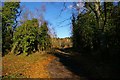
{"x": 57, "y": 70}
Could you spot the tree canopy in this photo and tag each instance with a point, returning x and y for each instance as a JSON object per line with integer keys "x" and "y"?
{"x": 30, "y": 37}
{"x": 10, "y": 12}
{"x": 97, "y": 29}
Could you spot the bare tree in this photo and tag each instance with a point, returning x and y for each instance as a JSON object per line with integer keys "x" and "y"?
{"x": 25, "y": 15}
{"x": 39, "y": 14}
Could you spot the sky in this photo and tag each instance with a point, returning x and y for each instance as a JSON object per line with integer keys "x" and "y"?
{"x": 53, "y": 16}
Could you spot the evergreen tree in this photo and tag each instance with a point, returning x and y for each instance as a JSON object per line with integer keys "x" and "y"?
{"x": 44, "y": 38}
{"x": 25, "y": 37}
{"x": 29, "y": 37}
{"x": 10, "y": 12}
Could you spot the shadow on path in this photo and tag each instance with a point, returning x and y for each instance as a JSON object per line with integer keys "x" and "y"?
{"x": 87, "y": 67}
{"x": 71, "y": 65}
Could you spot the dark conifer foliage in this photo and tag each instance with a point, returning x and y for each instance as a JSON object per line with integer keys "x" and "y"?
{"x": 97, "y": 29}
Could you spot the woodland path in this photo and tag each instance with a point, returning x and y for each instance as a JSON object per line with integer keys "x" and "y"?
{"x": 51, "y": 68}
{"x": 58, "y": 64}
{"x": 39, "y": 66}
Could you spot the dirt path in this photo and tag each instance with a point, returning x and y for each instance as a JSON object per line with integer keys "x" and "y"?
{"x": 57, "y": 70}
{"x": 49, "y": 68}
{"x": 55, "y": 65}
{"x": 36, "y": 66}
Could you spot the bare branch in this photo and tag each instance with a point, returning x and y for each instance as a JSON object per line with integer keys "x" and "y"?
{"x": 65, "y": 20}
{"x": 65, "y": 25}
{"x": 64, "y": 8}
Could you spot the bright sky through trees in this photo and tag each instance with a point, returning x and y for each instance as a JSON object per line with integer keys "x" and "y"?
{"x": 55, "y": 14}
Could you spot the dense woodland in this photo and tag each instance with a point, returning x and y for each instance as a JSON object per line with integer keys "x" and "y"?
{"x": 95, "y": 32}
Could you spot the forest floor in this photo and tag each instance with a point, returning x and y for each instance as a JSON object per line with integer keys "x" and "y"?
{"x": 58, "y": 64}
{"x": 32, "y": 66}
{"x": 37, "y": 65}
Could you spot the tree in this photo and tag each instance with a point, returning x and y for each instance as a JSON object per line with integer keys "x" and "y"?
{"x": 83, "y": 31}
{"x": 97, "y": 28}
{"x": 26, "y": 14}
{"x": 0, "y": 29}
{"x": 10, "y": 12}
{"x": 29, "y": 37}
{"x": 44, "y": 38}
{"x": 25, "y": 37}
